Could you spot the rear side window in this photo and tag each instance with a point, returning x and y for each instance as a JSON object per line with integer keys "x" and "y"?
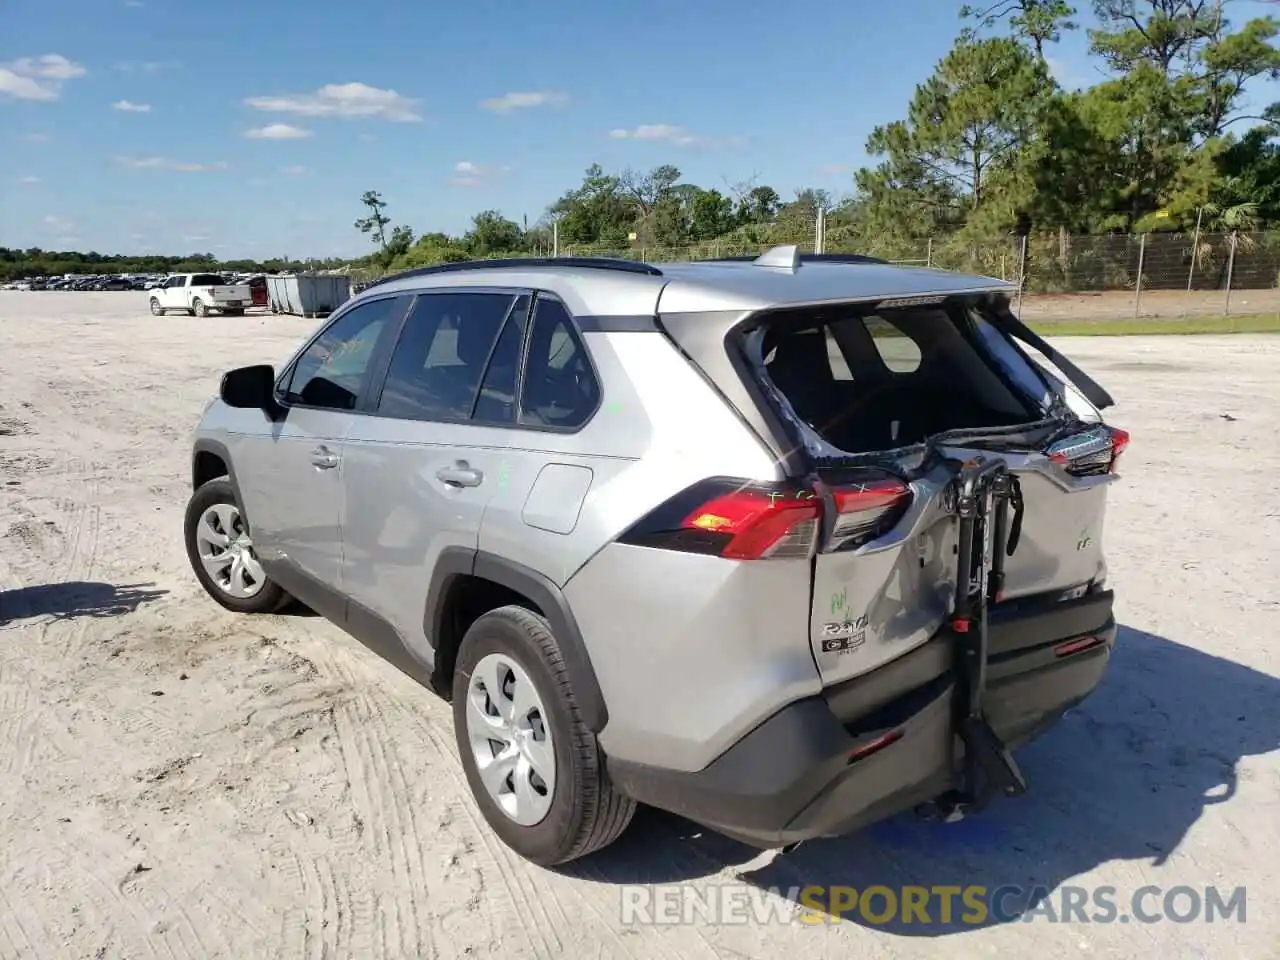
{"x": 560, "y": 388}
{"x": 442, "y": 355}
{"x": 207, "y": 280}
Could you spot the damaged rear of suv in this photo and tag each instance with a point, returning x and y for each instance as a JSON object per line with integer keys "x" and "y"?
{"x": 942, "y": 495}
{"x": 784, "y": 546}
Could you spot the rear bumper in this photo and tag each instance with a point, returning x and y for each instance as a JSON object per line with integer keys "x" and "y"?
{"x": 791, "y": 778}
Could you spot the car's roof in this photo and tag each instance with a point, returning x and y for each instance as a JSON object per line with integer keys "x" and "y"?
{"x": 699, "y": 286}
{"x": 740, "y": 285}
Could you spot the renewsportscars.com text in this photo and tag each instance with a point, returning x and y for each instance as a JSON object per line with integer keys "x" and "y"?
{"x": 925, "y": 906}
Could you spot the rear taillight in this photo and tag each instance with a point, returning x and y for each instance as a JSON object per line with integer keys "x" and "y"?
{"x": 742, "y": 520}
{"x": 1091, "y": 453}
{"x": 1119, "y": 444}
{"x": 754, "y": 524}
{"x": 867, "y": 510}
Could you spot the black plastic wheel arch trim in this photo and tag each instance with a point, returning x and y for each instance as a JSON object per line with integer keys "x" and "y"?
{"x": 455, "y": 562}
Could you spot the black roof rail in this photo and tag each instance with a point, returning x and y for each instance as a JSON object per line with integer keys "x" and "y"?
{"x": 516, "y": 263}
{"x": 804, "y": 258}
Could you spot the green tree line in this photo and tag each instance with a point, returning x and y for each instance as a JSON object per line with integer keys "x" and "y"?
{"x": 991, "y": 145}
{"x": 35, "y": 262}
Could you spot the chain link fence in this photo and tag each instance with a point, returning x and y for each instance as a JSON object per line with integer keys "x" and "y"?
{"x": 1068, "y": 277}
{"x": 1062, "y": 277}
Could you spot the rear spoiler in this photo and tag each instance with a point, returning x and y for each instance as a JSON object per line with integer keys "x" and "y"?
{"x": 1011, "y": 325}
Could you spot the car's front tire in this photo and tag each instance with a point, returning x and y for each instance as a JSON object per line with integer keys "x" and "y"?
{"x": 221, "y": 552}
{"x": 534, "y": 768}
{"x": 156, "y": 309}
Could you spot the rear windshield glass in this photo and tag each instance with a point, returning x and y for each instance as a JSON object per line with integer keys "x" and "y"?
{"x": 876, "y": 381}
{"x": 207, "y": 280}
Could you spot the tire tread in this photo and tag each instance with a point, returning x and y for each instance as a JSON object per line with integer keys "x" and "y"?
{"x": 606, "y": 813}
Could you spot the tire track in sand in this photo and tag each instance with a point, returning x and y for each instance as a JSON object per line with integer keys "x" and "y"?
{"x": 380, "y": 791}
{"x": 60, "y": 633}
{"x": 15, "y": 942}
{"x": 101, "y": 902}
{"x": 324, "y": 924}
{"x": 528, "y": 899}
{"x": 15, "y": 703}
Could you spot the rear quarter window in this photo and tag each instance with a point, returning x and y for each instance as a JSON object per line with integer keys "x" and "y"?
{"x": 899, "y": 353}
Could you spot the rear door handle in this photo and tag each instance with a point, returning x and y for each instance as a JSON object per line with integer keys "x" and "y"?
{"x": 461, "y": 474}
{"x": 323, "y": 458}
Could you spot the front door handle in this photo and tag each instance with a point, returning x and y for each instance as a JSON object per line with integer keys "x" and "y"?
{"x": 323, "y": 458}
{"x": 461, "y": 474}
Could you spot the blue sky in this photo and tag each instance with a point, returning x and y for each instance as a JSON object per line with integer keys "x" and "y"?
{"x": 251, "y": 129}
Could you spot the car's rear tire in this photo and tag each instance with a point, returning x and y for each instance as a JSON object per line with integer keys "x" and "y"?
{"x": 554, "y": 802}
{"x": 198, "y": 309}
{"x": 156, "y": 309}
{"x": 221, "y": 552}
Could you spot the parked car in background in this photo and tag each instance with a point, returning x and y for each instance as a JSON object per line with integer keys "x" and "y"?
{"x": 200, "y": 293}
{"x": 258, "y": 287}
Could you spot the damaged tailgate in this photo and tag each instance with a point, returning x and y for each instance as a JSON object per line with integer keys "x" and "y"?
{"x": 890, "y": 401}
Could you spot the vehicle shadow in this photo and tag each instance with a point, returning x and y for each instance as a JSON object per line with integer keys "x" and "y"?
{"x": 1124, "y": 776}
{"x": 65, "y": 601}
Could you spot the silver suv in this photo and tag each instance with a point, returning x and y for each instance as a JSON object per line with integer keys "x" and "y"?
{"x": 783, "y": 545}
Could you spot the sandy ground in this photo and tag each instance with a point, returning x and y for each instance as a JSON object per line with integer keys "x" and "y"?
{"x": 178, "y": 782}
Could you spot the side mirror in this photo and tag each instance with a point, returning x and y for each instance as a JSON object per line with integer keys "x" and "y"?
{"x": 251, "y": 388}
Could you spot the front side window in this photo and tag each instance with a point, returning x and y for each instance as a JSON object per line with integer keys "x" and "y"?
{"x": 442, "y": 355}
{"x": 560, "y": 389}
{"x": 331, "y": 372}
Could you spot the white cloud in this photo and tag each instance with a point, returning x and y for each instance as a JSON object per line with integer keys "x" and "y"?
{"x": 523, "y": 100}
{"x": 28, "y": 179}
{"x": 667, "y": 133}
{"x": 277, "y": 131}
{"x": 144, "y": 66}
{"x": 195, "y": 238}
{"x": 37, "y": 78}
{"x": 164, "y": 163}
{"x": 57, "y": 224}
{"x": 833, "y": 169}
{"x": 294, "y": 170}
{"x": 51, "y": 66}
{"x": 468, "y": 174}
{"x": 36, "y": 137}
{"x": 345, "y": 100}
{"x": 128, "y": 106}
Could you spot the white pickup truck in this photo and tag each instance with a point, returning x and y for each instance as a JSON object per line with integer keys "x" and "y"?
{"x": 198, "y": 294}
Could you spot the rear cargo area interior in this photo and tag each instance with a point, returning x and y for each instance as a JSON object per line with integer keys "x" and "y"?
{"x": 875, "y": 381}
